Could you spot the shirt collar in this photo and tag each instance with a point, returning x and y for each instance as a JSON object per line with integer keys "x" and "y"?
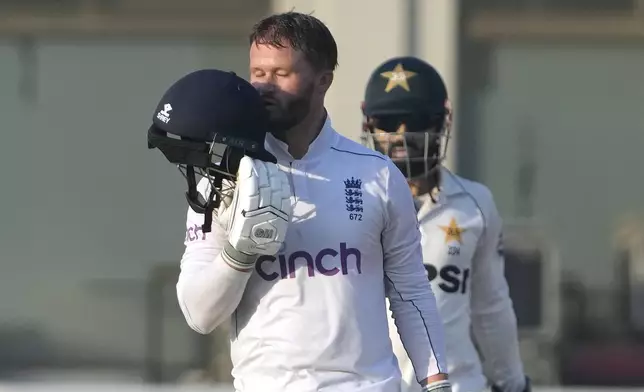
{"x": 320, "y": 145}
{"x": 449, "y": 184}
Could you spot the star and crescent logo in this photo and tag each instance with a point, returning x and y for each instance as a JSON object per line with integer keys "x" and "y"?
{"x": 453, "y": 232}
{"x": 398, "y": 77}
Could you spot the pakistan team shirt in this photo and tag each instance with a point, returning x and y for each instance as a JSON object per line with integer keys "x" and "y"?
{"x": 463, "y": 255}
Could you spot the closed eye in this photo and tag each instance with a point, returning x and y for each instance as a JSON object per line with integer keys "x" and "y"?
{"x": 258, "y": 73}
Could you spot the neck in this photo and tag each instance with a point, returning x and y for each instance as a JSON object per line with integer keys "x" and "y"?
{"x": 425, "y": 184}
{"x": 302, "y": 135}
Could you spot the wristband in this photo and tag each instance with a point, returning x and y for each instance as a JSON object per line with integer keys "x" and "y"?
{"x": 438, "y": 386}
{"x": 237, "y": 260}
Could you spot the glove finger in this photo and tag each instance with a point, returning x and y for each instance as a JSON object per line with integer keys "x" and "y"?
{"x": 245, "y": 169}
{"x": 263, "y": 180}
{"x": 247, "y": 186}
{"x": 228, "y": 213}
{"x": 276, "y": 186}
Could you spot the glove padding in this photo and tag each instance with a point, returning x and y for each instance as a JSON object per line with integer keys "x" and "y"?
{"x": 258, "y": 214}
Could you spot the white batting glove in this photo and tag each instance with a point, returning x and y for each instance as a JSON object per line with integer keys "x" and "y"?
{"x": 258, "y": 215}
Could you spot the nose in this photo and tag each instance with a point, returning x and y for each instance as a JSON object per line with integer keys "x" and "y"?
{"x": 264, "y": 87}
{"x": 402, "y": 128}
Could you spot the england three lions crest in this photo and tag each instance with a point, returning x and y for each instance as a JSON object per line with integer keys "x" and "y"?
{"x": 353, "y": 198}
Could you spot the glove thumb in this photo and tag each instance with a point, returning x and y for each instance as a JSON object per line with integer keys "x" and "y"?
{"x": 225, "y": 210}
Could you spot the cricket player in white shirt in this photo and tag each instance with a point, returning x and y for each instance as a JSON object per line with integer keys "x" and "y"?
{"x": 301, "y": 257}
{"x": 407, "y": 117}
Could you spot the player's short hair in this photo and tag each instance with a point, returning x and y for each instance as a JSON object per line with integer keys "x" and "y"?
{"x": 302, "y": 32}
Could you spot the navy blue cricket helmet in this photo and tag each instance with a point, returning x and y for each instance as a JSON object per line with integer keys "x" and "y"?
{"x": 205, "y": 123}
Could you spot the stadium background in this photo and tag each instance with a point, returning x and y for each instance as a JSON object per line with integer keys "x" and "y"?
{"x": 548, "y": 96}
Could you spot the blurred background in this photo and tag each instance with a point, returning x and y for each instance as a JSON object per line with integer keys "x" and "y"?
{"x": 549, "y": 114}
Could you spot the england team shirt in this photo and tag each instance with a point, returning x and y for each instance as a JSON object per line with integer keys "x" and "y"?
{"x": 313, "y": 317}
{"x": 463, "y": 256}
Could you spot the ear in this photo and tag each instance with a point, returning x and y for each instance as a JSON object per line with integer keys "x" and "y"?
{"x": 325, "y": 80}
